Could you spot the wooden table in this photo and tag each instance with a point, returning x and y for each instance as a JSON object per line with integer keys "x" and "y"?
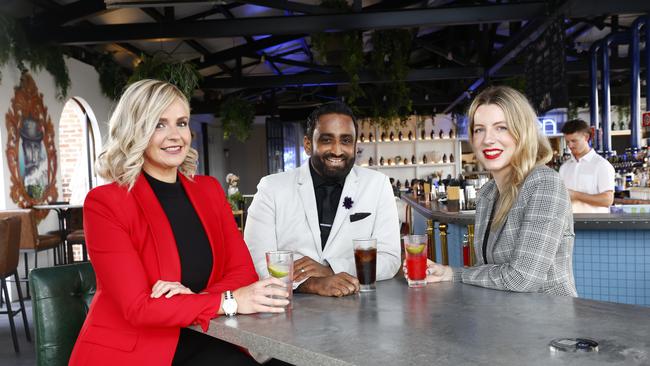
{"x": 62, "y": 212}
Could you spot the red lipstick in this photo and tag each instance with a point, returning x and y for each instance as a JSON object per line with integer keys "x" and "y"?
{"x": 492, "y": 154}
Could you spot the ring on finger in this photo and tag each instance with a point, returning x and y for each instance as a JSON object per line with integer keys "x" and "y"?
{"x": 302, "y": 270}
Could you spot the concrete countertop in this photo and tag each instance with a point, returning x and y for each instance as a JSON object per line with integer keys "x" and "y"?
{"x": 604, "y": 221}
{"x": 442, "y": 324}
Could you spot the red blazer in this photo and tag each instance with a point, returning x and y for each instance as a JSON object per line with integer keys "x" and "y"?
{"x": 131, "y": 246}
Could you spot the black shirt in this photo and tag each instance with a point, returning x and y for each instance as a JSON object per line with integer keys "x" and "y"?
{"x": 321, "y": 187}
{"x": 192, "y": 242}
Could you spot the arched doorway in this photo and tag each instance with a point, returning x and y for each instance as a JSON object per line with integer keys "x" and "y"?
{"x": 79, "y": 144}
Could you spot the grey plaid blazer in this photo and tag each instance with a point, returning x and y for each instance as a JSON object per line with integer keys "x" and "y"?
{"x": 532, "y": 251}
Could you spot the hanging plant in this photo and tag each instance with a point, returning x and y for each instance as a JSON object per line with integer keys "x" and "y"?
{"x": 389, "y": 58}
{"x": 343, "y": 49}
{"x": 112, "y": 78}
{"x": 237, "y": 116}
{"x": 6, "y": 41}
{"x": 572, "y": 110}
{"x": 33, "y": 56}
{"x": 184, "y": 75}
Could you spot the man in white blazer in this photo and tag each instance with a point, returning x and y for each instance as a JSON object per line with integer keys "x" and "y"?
{"x": 317, "y": 210}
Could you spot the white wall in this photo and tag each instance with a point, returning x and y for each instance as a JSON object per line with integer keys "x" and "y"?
{"x": 85, "y": 84}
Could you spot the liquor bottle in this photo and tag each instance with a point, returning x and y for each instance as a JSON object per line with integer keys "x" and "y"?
{"x": 381, "y": 160}
{"x": 413, "y": 159}
{"x": 383, "y": 136}
{"x": 362, "y": 138}
{"x": 422, "y": 133}
{"x": 444, "y": 158}
{"x": 451, "y": 133}
{"x": 432, "y": 134}
{"x": 391, "y": 136}
{"x": 370, "y": 137}
{"x": 407, "y": 185}
{"x": 371, "y": 162}
{"x": 399, "y": 184}
{"x": 410, "y": 135}
{"x": 390, "y": 161}
{"x": 440, "y": 134}
{"x": 451, "y": 158}
{"x": 424, "y": 159}
{"x": 400, "y": 136}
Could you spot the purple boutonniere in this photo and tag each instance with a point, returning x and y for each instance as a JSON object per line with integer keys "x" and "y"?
{"x": 348, "y": 202}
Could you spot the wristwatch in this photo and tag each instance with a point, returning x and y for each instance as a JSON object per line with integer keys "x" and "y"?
{"x": 229, "y": 304}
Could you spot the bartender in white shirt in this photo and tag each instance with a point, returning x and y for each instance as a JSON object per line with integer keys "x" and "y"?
{"x": 588, "y": 176}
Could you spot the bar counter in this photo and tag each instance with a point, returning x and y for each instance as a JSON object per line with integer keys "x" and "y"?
{"x": 611, "y": 260}
{"x": 602, "y": 221}
{"x": 442, "y": 324}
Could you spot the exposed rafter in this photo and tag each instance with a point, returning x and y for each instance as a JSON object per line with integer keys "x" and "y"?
{"x": 245, "y": 49}
{"x": 281, "y": 25}
{"x": 80, "y": 10}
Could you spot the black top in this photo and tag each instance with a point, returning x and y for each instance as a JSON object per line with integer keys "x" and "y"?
{"x": 192, "y": 242}
{"x": 487, "y": 233}
{"x": 326, "y": 206}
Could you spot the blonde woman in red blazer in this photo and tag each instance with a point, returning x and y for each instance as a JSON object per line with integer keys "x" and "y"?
{"x": 136, "y": 242}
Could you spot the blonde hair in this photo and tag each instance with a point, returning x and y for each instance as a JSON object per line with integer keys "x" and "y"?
{"x": 532, "y": 147}
{"x": 132, "y": 125}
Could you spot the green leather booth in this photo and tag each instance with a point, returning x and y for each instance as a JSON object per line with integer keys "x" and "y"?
{"x": 61, "y": 296}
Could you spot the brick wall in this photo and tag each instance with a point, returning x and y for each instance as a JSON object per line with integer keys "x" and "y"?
{"x": 71, "y": 145}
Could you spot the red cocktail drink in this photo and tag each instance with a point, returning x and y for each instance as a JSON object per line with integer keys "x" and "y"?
{"x": 415, "y": 248}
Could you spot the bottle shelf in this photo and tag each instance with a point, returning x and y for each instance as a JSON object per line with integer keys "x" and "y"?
{"x": 445, "y": 139}
{"x": 419, "y": 165}
{"x": 432, "y": 147}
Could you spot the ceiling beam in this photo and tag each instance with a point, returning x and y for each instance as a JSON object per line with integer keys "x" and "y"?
{"x": 79, "y": 10}
{"x": 291, "y": 6}
{"x": 279, "y": 25}
{"x": 476, "y": 14}
{"x": 245, "y": 49}
{"x": 518, "y": 42}
{"x": 339, "y": 77}
{"x": 447, "y": 54}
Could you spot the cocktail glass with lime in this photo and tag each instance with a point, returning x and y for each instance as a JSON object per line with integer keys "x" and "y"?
{"x": 280, "y": 265}
{"x": 415, "y": 248}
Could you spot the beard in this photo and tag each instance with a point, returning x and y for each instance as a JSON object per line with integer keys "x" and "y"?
{"x": 333, "y": 173}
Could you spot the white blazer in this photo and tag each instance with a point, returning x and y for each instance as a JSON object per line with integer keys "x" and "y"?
{"x": 283, "y": 216}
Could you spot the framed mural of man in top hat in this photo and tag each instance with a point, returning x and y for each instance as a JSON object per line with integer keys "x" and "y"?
{"x": 31, "y": 158}
{"x": 31, "y": 154}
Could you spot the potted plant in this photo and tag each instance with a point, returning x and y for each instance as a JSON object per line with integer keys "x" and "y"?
{"x": 344, "y": 49}
{"x": 391, "y": 101}
{"x": 237, "y": 116}
{"x": 160, "y": 66}
{"x": 112, "y": 77}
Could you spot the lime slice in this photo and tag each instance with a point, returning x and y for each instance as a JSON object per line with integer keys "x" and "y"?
{"x": 415, "y": 249}
{"x": 278, "y": 272}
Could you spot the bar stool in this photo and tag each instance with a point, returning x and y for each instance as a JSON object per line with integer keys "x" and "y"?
{"x": 9, "y": 254}
{"x": 30, "y": 240}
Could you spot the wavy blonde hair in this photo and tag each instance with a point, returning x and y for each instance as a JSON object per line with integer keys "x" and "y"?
{"x": 131, "y": 127}
{"x": 532, "y": 147}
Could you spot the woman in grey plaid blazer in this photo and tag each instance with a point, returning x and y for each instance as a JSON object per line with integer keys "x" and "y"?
{"x": 524, "y": 223}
